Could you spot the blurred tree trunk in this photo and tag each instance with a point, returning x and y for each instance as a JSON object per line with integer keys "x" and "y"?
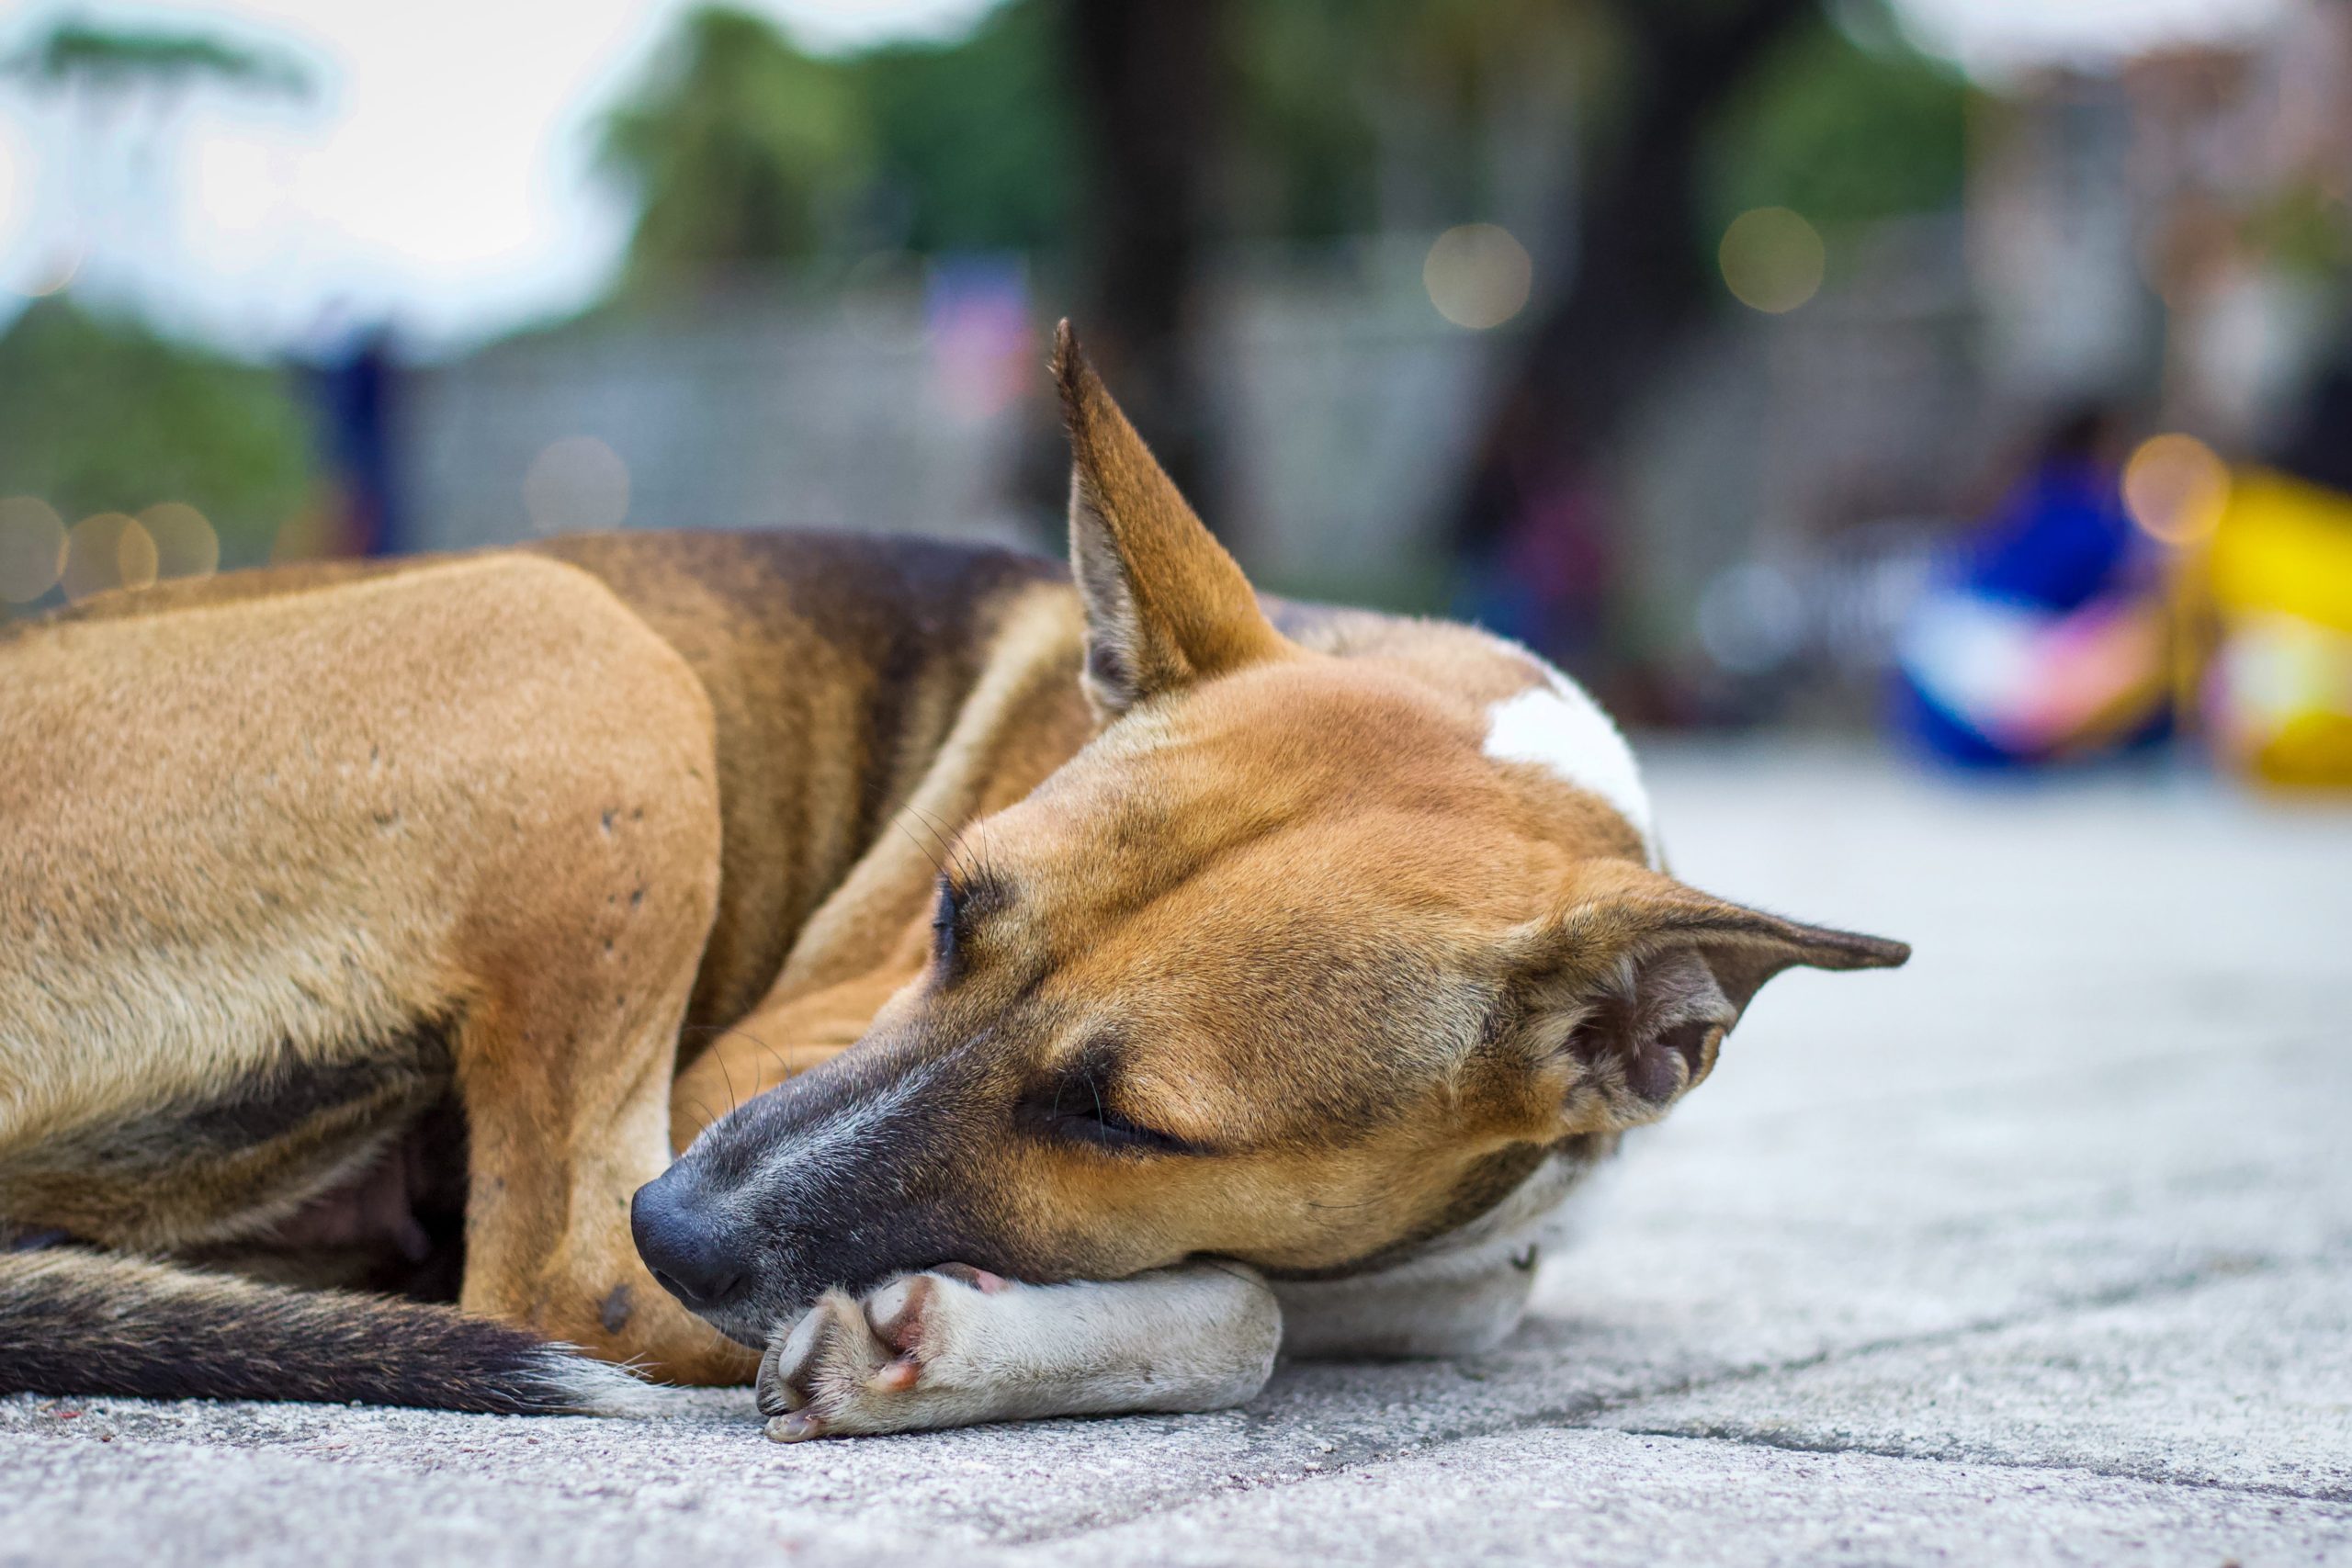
{"x": 1150, "y": 89}
{"x": 1642, "y": 277}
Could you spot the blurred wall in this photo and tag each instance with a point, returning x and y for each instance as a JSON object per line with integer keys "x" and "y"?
{"x": 755, "y": 412}
{"x": 1344, "y": 406}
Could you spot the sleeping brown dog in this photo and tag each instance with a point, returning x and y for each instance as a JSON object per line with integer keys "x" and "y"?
{"x": 1222, "y": 975}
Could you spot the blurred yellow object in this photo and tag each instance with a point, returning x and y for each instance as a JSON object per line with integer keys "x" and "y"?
{"x": 2279, "y": 573}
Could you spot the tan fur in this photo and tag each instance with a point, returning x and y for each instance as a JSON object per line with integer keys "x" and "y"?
{"x": 868, "y": 939}
{"x": 537, "y": 830}
{"x": 232, "y": 855}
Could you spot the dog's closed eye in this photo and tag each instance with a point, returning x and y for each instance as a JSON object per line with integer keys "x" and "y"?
{"x": 1075, "y": 1108}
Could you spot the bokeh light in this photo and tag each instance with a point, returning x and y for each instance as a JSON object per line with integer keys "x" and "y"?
{"x": 1478, "y": 276}
{"x": 575, "y": 483}
{"x": 107, "y": 550}
{"x": 1772, "y": 259}
{"x": 186, "y": 544}
{"x": 32, "y": 548}
{"x": 50, "y": 275}
{"x": 2176, "y": 487}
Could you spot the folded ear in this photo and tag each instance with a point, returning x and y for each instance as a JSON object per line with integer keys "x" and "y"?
{"x": 1165, "y": 605}
{"x": 1623, "y": 999}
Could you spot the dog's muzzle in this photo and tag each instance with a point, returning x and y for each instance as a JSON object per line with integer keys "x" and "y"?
{"x": 692, "y": 1251}
{"x": 840, "y": 1179}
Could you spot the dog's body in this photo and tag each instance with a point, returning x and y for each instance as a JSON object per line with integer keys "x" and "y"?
{"x": 354, "y": 920}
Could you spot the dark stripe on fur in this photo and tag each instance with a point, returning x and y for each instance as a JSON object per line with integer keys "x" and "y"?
{"x": 190, "y": 1171}
{"x": 74, "y": 1322}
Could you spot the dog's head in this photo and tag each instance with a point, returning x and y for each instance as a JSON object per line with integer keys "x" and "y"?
{"x": 1303, "y": 960}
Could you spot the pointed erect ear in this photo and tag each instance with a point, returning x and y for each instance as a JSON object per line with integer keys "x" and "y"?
{"x": 1165, "y": 605}
{"x": 1623, "y": 1000}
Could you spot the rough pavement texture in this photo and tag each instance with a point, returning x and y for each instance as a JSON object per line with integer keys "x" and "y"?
{"x": 2039, "y": 1250}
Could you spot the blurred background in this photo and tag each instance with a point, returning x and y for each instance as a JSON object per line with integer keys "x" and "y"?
{"x": 1977, "y": 373}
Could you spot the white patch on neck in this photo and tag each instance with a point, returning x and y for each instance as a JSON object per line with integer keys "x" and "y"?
{"x": 1556, "y": 726}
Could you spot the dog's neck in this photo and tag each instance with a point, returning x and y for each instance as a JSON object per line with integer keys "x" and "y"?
{"x": 870, "y": 695}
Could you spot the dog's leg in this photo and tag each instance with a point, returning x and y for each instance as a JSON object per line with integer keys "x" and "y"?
{"x": 957, "y": 1345}
{"x": 579, "y": 949}
{"x": 565, "y": 1070}
{"x": 1420, "y": 1310}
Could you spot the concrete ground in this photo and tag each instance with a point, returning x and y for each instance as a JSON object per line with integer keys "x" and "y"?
{"x": 2039, "y": 1250}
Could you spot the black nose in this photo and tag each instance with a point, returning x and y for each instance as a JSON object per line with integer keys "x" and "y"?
{"x": 693, "y": 1255}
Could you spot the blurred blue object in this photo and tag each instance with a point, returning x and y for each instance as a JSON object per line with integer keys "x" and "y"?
{"x": 2061, "y": 540}
{"x": 356, "y": 389}
{"x": 2042, "y": 636}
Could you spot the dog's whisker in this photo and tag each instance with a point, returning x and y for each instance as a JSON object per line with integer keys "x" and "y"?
{"x": 942, "y": 837}
{"x": 728, "y": 1079}
{"x": 784, "y": 1071}
{"x": 909, "y": 806}
{"x": 946, "y": 858}
{"x": 929, "y": 853}
{"x": 963, "y": 858}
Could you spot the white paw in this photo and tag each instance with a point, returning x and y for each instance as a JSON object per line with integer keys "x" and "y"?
{"x": 956, "y": 1346}
{"x": 890, "y": 1363}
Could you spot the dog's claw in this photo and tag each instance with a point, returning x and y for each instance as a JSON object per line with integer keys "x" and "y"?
{"x": 791, "y": 1360}
{"x": 775, "y": 1396}
{"x": 794, "y": 1428}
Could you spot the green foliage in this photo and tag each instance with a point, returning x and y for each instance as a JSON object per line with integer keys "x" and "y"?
{"x": 106, "y": 416}
{"x": 1334, "y": 96}
{"x": 1304, "y": 69}
{"x": 739, "y": 148}
{"x": 2304, "y": 231}
{"x": 1841, "y": 133}
{"x": 745, "y": 152}
{"x": 975, "y": 140}
{"x": 75, "y": 53}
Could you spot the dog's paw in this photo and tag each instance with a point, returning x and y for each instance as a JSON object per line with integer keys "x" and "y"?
{"x": 890, "y": 1363}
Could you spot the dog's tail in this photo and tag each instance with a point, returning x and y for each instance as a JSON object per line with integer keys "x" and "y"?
{"x": 73, "y": 1322}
